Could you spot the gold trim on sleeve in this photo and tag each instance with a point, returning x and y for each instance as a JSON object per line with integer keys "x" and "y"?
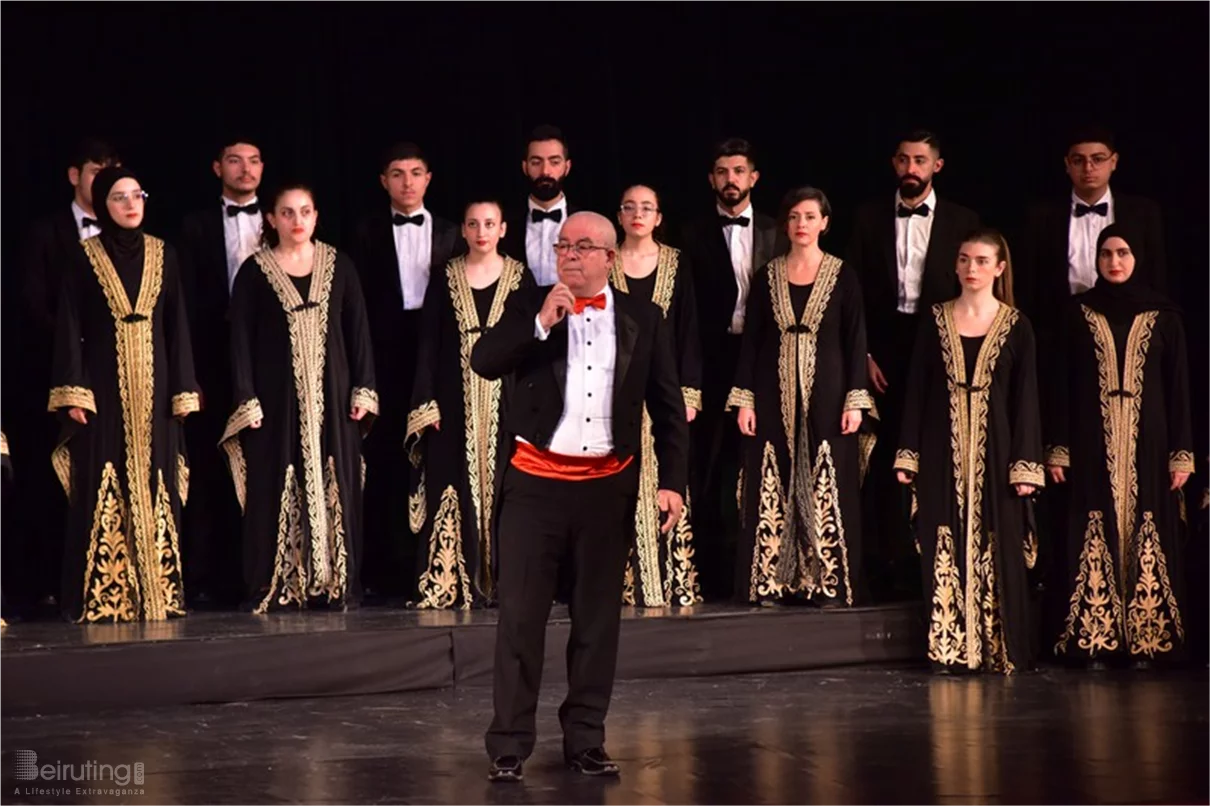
{"x": 419, "y": 418}
{"x": 907, "y": 461}
{"x": 70, "y": 397}
{"x": 1180, "y": 462}
{"x": 366, "y": 399}
{"x": 858, "y": 399}
{"x": 741, "y": 399}
{"x": 1058, "y": 456}
{"x": 244, "y": 415}
{"x": 186, "y": 403}
{"x": 693, "y": 397}
{"x": 1022, "y": 472}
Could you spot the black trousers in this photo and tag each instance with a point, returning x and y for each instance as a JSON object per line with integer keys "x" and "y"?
{"x": 585, "y": 526}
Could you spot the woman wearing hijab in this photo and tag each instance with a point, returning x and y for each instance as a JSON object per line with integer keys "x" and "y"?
{"x": 1120, "y": 435}
{"x": 123, "y": 378}
{"x": 303, "y": 377}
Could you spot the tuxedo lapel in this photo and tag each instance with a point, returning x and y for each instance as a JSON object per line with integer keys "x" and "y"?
{"x": 390, "y": 260}
{"x": 626, "y": 330}
{"x": 764, "y": 240}
{"x": 890, "y": 257}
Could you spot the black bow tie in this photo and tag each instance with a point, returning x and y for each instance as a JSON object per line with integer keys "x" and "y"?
{"x": 234, "y": 209}
{"x": 738, "y": 221}
{"x": 538, "y": 216}
{"x": 400, "y": 220}
{"x": 88, "y": 222}
{"x": 1101, "y": 209}
{"x": 904, "y": 212}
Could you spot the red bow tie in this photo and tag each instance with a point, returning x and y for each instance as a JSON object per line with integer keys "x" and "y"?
{"x": 597, "y": 302}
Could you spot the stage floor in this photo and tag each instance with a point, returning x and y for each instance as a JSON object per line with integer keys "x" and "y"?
{"x": 864, "y": 735}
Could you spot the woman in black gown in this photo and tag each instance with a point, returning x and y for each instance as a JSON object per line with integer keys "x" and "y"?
{"x": 453, "y": 432}
{"x": 661, "y": 569}
{"x": 303, "y": 375}
{"x": 801, "y": 391}
{"x": 1120, "y": 435}
{"x": 972, "y": 445}
{"x": 123, "y": 381}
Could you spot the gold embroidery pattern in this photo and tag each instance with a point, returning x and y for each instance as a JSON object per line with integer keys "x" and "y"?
{"x": 480, "y": 399}
{"x": 771, "y": 522}
{"x": 647, "y": 520}
{"x": 337, "y": 547}
{"x": 60, "y": 460}
{"x": 1146, "y": 624}
{"x": 681, "y": 585}
{"x": 168, "y": 553}
{"x": 1058, "y": 455}
{"x": 947, "y": 637}
{"x": 182, "y": 479}
{"x": 186, "y": 403}
{"x": 666, "y": 265}
{"x": 1030, "y": 550}
{"x": 244, "y": 415}
{"x": 741, "y": 399}
{"x": 66, "y": 397}
{"x": 968, "y": 442}
{"x": 308, "y": 325}
{"x": 446, "y": 572}
{"x": 3, "y": 444}
{"x": 826, "y": 530}
{"x": 995, "y": 656}
{"x": 365, "y": 398}
{"x": 1180, "y": 462}
{"x": 111, "y": 591}
{"x": 288, "y": 567}
{"x": 1120, "y": 409}
{"x": 1022, "y": 472}
{"x": 417, "y": 507}
{"x": 693, "y": 397}
{"x": 907, "y": 461}
{"x": 858, "y": 399}
{"x": 1095, "y": 602}
{"x": 419, "y": 418}
{"x": 134, "y": 335}
{"x": 628, "y": 589}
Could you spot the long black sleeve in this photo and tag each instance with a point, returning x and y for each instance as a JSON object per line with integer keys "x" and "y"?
{"x": 182, "y": 380}
{"x": 666, "y": 406}
{"x": 853, "y": 342}
{"x": 688, "y": 340}
{"x": 502, "y": 348}
{"x": 1176, "y": 394}
{"x": 70, "y": 384}
{"x": 424, "y": 410}
{"x": 1025, "y": 455}
{"x": 919, "y": 379}
{"x": 757, "y": 316}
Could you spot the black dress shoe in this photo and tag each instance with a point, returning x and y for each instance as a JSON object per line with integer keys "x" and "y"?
{"x": 594, "y": 762}
{"x": 505, "y": 769}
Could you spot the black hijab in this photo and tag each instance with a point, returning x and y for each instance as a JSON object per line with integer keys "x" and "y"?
{"x": 1121, "y": 301}
{"x": 123, "y": 245}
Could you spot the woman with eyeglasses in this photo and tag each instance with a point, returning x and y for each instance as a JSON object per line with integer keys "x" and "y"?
{"x": 305, "y": 397}
{"x": 123, "y": 383}
{"x": 453, "y": 429}
{"x": 660, "y": 571}
{"x": 805, "y": 414}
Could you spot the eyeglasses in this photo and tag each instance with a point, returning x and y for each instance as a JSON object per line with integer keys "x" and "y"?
{"x": 1079, "y": 160}
{"x": 632, "y": 209}
{"x": 122, "y": 198}
{"x": 563, "y": 247}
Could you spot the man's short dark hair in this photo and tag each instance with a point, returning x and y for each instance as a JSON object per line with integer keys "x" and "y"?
{"x": 925, "y": 136}
{"x": 547, "y": 132}
{"x": 403, "y": 151}
{"x": 90, "y": 149}
{"x": 734, "y": 147}
{"x": 231, "y": 139}
{"x": 1090, "y": 134}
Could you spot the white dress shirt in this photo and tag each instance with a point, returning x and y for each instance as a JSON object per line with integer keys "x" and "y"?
{"x": 1082, "y": 234}
{"x": 911, "y": 248}
{"x": 739, "y": 243}
{"x": 78, "y": 214}
{"x": 414, "y": 252}
{"x": 242, "y": 236}
{"x": 540, "y": 243}
{"x": 586, "y": 427}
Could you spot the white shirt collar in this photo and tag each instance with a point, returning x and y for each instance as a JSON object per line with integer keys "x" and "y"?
{"x": 930, "y": 200}
{"x": 228, "y": 203}
{"x": 561, "y": 205}
{"x": 1106, "y": 197}
{"x": 78, "y": 213}
{"x": 745, "y": 213}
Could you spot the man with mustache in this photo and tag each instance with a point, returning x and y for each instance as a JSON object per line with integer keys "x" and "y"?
{"x": 725, "y": 247}
{"x": 530, "y": 236}
{"x": 904, "y": 251}
{"x": 214, "y": 242}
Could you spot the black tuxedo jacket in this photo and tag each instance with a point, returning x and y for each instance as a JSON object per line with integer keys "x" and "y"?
{"x": 1041, "y": 274}
{"x": 714, "y": 278}
{"x": 513, "y": 243}
{"x": 53, "y": 243}
{"x": 203, "y": 256}
{"x": 392, "y": 331}
{"x": 645, "y": 372}
{"x": 872, "y": 253}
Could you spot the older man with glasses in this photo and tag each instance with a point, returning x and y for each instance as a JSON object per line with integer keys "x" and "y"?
{"x": 584, "y": 359}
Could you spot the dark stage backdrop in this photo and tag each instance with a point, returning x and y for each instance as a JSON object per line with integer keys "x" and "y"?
{"x": 641, "y": 89}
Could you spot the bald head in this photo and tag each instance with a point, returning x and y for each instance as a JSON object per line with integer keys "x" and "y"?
{"x": 585, "y": 270}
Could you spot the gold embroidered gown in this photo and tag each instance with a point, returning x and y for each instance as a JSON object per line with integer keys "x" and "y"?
{"x": 301, "y": 359}
{"x": 454, "y": 470}
{"x": 802, "y": 364}
{"x": 1120, "y": 425}
{"x": 122, "y": 353}
{"x": 970, "y": 432}
{"x": 661, "y": 569}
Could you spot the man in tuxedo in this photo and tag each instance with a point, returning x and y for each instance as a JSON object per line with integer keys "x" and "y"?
{"x": 54, "y": 241}
{"x": 904, "y": 251}
{"x": 215, "y": 242}
{"x": 396, "y": 250}
{"x": 531, "y": 232}
{"x": 725, "y": 248}
{"x": 1059, "y": 251}
{"x": 582, "y": 360}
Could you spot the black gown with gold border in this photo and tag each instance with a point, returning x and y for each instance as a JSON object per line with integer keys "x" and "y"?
{"x": 301, "y": 359}
{"x": 123, "y": 354}
{"x": 971, "y": 431}
{"x": 661, "y": 569}
{"x": 801, "y": 367}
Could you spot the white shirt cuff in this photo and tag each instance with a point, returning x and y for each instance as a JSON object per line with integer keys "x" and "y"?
{"x": 540, "y": 333}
